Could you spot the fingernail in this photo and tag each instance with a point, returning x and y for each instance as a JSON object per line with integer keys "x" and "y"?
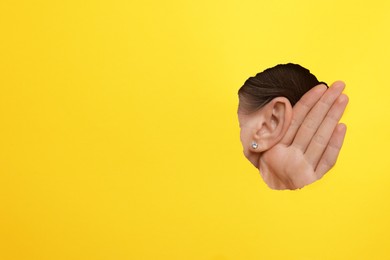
{"x": 338, "y": 83}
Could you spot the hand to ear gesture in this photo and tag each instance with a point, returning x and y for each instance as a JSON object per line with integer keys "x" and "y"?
{"x": 312, "y": 142}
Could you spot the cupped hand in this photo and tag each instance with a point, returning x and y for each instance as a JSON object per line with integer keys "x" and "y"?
{"x": 312, "y": 142}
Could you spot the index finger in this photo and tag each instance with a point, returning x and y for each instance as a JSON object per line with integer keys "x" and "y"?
{"x": 301, "y": 109}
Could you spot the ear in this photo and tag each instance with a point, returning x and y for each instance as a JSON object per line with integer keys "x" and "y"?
{"x": 274, "y": 120}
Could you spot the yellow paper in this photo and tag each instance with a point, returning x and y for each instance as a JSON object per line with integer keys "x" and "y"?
{"x": 119, "y": 137}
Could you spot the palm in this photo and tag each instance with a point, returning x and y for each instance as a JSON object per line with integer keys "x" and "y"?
{"x": 312, "y": 143}
{"x": 285, "y": 167}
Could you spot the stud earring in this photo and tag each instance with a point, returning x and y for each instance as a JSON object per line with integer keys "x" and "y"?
{"x": 254, "y": 145}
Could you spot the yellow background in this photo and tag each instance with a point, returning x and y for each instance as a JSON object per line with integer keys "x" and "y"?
{"x": 119, "y": 137}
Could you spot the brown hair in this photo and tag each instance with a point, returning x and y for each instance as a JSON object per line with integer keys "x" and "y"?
{"x": 290, "y": 80}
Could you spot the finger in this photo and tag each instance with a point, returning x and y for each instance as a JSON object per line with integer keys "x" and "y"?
{"x": 322, "y": 137}
{"x": 315, "y": 117}
{"x": 301, "y": 109}
{"x": 329, "y": 158}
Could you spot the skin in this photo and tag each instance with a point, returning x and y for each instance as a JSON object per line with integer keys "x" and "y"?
{"x": 296, "y": 145}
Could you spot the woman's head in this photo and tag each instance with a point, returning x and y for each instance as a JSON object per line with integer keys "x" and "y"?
{"x": 290, "y": 80}
{"x": 265, "y": 106}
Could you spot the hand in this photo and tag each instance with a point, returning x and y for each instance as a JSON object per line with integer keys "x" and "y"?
{"x": 312, "y": 142}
